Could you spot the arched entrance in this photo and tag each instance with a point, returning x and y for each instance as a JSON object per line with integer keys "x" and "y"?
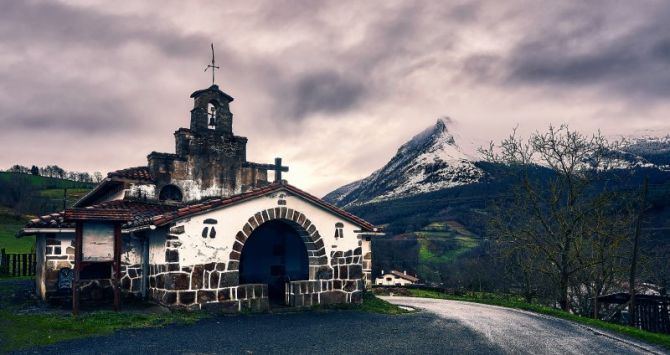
{"x": 274, "y": 254}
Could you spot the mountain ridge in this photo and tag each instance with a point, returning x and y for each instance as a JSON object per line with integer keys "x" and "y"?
{"x": 430, "y": 161}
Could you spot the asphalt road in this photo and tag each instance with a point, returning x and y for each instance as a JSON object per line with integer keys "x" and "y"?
{"x": 520, "y": 332}
{"x": 334, "y": 332}
{"x": 444, "y": 328}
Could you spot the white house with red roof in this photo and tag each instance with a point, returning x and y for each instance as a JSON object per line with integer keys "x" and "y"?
{"x": 208, "y": 230}
{"x": 396, "y": 278}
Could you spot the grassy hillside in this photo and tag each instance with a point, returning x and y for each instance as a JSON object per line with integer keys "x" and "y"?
{"x": 73, "y": 194}
{"x": 23, "y": 196}
{"x": 9, "y": 225}
{"x": 443, "y": 242}
{"x": 43, "y": 182}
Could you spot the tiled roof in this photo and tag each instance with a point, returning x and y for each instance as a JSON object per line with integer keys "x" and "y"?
{"x": 98, "y": 214}
{"x": 140, "y": 173}
{"x": 223, "y": 202}
{"x": 141, "y": 212}
{"x": 351, "y": 217}
{"x": 404, "y": 276}
{"x": 144, "y": 213}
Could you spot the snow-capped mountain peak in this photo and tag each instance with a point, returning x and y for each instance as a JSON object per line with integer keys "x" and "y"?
{"x": 430, "y": 161}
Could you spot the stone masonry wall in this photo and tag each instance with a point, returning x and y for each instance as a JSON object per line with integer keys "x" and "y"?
{"x": 202, "y": 286}
{"x": 346, "y": 286}
{"x": 337, "y": 278}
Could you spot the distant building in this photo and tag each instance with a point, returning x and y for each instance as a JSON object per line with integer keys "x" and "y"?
{"x": 396, "y": 278}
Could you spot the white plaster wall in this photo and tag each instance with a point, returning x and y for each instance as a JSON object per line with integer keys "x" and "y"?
{"x": 132, "y": 250}
{"x": 198, "y": 250}
{"x": 157, "y": 245}
{"x": 66, "y": 240}
{"x": 116, "y": 196}
{"x": 40, "y": 265}
{"x": 394, "y": 280}
{"x": 141, "y": 191}
{"x": 193, "y": 191}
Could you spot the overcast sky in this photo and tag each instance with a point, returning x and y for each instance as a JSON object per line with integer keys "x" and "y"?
{"x": 333, "y": 87}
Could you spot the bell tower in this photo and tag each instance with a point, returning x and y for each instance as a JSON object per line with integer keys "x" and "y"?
{"x": 209, "y": 160}
{"x": 211, "y": 111}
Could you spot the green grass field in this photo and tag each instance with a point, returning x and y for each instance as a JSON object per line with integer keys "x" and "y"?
{"x": 371, "y": 304}
{"x": 9, "y": 225}
{"x": 73, "y": 194}
{"x": 436, "y": 233}
{"x": 46, "y": 182}
{"x": 19, "y": 329}
{"x": 38, "y": 186}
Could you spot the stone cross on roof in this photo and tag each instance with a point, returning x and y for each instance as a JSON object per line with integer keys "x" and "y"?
{"x": 278, "y": 168}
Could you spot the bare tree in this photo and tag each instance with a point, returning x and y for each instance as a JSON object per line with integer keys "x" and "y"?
{"x": 97, "y": 177}
{"x": 562, "y": 203}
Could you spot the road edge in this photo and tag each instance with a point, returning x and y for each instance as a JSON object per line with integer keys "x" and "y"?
{"x": 650, "y": 348}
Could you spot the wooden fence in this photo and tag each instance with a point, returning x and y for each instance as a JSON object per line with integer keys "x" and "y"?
{"x": 15, "y": 265}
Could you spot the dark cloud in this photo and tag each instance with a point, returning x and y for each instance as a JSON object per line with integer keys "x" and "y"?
{"x": 593, "y": 53}
{"x": 395, "y": 42}
{"x": 482, "y": 67}
{"x": 324, "y": 92}
{"x": 66, "y": 54}
{"x": 465, "y": 12}
{"x": 65, "y": 107}
{"x": 26, "y": 24}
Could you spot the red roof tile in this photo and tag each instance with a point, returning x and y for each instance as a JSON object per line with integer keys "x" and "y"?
{"x": 219, "y": 203}
{"x": 140, "y": 173}
{"x": 145, "y": 213}
{"x": 404, "y": 276}
{"x": 98, "y": 214}
{"x": 140, "y": 213}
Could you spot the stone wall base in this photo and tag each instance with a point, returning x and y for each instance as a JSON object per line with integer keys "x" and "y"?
{"x": 314, "y": 292}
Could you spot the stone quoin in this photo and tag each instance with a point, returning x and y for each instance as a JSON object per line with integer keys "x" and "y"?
{"x": 209, "y": 230}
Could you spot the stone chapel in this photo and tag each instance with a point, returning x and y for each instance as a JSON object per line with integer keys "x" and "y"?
{"x": 207, "y": 229}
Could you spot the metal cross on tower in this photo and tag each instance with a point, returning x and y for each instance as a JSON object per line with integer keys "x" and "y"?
{"x": 213, "y": 65}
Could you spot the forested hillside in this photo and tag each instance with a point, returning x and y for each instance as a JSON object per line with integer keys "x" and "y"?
{"x": 442, "y": 236}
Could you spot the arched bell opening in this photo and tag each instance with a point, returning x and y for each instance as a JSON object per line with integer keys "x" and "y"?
{"x": 170, "y": 193}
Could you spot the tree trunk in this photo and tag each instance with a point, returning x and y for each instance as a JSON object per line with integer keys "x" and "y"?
{"x": 632, "y": 321}
{"x": 564, "y": 275}
{"x": 563, "y": 286}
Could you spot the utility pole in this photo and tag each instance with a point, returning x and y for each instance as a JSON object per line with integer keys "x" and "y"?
{"x": 632, "y": 314}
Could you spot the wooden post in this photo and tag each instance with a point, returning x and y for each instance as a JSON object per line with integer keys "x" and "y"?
{"x": 3, "y": 267}
{"x": 117, "y": 266}
{"x": 14, "y": 264}
{"x": 24, "y": 265}
{"x": 633, "y": 264}
{"x": 77, "y": 268}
